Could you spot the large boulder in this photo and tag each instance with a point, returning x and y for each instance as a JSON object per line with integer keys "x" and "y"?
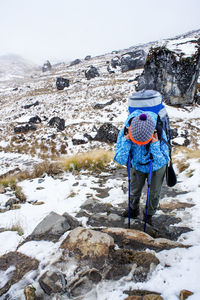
{"x": 75, "y": 62}
{"x": 91, "y": 72}
{"x": 172, "y": 74}
{"x": 133, "y": 60}
{"x": 86, "y": 243}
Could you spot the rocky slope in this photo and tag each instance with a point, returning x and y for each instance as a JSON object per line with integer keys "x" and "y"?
{"x": 74, "y": 243}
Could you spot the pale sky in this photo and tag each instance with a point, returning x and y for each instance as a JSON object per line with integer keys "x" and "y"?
{"x": 68, "y": 29}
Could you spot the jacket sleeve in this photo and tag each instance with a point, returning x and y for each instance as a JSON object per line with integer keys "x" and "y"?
{"x": 122, "y": 149}
{"x": 160, "y": 151}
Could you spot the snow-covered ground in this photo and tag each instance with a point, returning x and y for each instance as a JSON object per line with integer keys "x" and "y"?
{"x": 68, "y": 192}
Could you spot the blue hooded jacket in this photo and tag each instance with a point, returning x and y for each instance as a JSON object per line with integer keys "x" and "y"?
{"x": 140, "y": 157}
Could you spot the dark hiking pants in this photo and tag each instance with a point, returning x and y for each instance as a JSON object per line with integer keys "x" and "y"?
{"x": 137, "y": 183}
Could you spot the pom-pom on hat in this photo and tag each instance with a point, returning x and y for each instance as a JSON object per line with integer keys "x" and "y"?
{"x": 141, "y": 129}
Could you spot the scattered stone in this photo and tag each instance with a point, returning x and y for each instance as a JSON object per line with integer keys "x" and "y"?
{"x": 107, "y": 133}
{"x": 58, "y": 123}
{"x": 53, "y": 282}
{"x": 184, "y": 294}
{"x": 100, "y": 106}
{"x": 50, "y": 228}
{"x": 30, "y": 105}
{"x": 75, "y": 62}
{"x": 73, "y": 222}
{"x": 79, "y": 141}
{"x": 46, "y": 66}
{"x": 169, "y": 206}
{"x": 81, "y": 287}
{"x": 29, "y": 292}
{"x": 141, "y": 294}
{"x": 88, "y": 57}
{"x": 123, "y": 262}
{"x": 17, "y": 265}
{"x": 25, "y": 128}
{"x": 61, "y": 83}
{"x": 35, "y": 120}
{"x": 2, "y": 189}
{"x": 91, "y": 72}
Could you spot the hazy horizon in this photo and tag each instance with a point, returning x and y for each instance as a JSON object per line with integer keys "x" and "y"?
{"x": 66, "y": 30}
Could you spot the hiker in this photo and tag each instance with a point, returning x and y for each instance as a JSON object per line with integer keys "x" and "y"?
{"x": 139, "y": 138}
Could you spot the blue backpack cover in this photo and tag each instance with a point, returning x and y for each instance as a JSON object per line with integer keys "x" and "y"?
{"x": 151, "y": 100}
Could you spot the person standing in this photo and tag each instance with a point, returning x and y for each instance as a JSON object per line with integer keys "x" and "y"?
{"x": 139, "y": 139}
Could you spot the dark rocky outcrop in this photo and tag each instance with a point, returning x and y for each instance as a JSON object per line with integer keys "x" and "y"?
{"x": 57, "y": 122}
{"x": 172, "y": 74}
{"x": 91, "y": 72}
{"x": 19, "y": 264}
{"x": 132, "y": 60}
{"x": 46, "y": 66}
{"x": 61, "y": 83}
{"x": 79, "y": 141}
{"x": 107, "y": 133}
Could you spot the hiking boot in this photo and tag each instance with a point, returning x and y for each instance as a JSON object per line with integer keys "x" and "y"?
{"x": 134, "y": 213}
{"x": 148, "y": 219}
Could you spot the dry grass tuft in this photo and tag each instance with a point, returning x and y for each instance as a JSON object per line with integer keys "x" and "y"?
{"x": 92, "y": 160}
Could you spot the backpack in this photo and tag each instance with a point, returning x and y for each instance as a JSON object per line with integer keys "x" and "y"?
{"x": 150, "y": 100}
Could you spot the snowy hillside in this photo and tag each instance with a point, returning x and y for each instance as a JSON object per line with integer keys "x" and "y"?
{"x": 34, "y": 182}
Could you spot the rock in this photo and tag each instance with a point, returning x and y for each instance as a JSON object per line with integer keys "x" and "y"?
{"x": 81, "y": 288}
{"x": 75, "y": 62}
{"x": 101, "y": 105}
{"x": 79, "y": 141}
{"x": 115, "y": 62}
{"x": 73, "y": 222}
{"x": 30, "y": 105}
{"x": 50, "y": 228}
{"x": 138, "y": 240}
{"x": 46, "y": 66}
{"x": 61, "y": 83}
{"x": 29, "y": 292}
{"x": 91, "y": 72}
{"x": 35, "y": 120}
{"x": 100, "y": 219}
{"x": 88, "y": 57}
{"x": 184, "y": 294}
{"x": 107, "y": 133}
{"x": 2, "y": 189}
{"x": 172, "y": 74}
{"x": 53, "y": 282}
{"x": 25, "y": 128}
{"x": 124, "y": 261}
{"x": 169, "y": 206}
{"x": 143, "y": 294}
{"x": 18, "y": 265}
{"x": 85, "y": 243}
{"x": 133, "y": 60}
{"x": 57, "y": 122}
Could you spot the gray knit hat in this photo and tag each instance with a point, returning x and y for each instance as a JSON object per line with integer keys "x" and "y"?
{"x": 141, "y": 129}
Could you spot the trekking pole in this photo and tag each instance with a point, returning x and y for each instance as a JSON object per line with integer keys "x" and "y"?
{"x": 148, "y": 190}
{"x": 129, "y": 190}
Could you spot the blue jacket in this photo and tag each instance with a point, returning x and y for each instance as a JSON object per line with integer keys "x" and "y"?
{"x": 140, "y": 157}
